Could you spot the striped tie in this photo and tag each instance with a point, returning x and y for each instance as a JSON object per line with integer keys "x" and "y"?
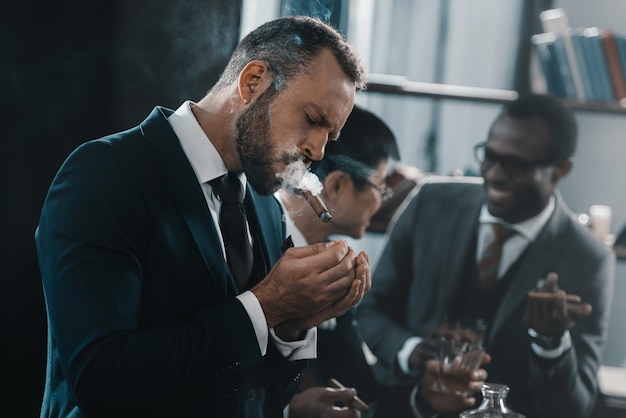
{"x": 489, "y": 263}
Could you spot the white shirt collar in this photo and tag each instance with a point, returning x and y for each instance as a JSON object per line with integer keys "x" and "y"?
{"x": 529, "y": 228}
{"x": 200, "y": 151}
{"x": 296, "y": 235}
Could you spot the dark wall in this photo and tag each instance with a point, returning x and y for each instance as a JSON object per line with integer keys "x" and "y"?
{"x": 72, "y": 71}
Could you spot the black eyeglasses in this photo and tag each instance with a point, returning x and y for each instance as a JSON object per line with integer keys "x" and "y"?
{"x": 385, "y": 192}
{"x": 511, "y": 164}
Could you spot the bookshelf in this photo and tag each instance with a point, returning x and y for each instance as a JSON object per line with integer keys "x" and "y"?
{"x": 399, "y": 85}
{"x": 582, "y": 62}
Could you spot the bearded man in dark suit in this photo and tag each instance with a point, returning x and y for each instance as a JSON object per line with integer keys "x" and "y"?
{"x": 145, "y": 317}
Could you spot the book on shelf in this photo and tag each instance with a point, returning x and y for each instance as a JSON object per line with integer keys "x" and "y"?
{"x": 620, "y": 40}
{"x": 594, "y": 51}
{"x": 538, "y": 82}
{"x": 550, "y": 52}
{"x": 543, "y": 45}
{"x": 600, "y": 56}
{"x": 614, "y": 66}
{"x": 563, "y": 70}
{"x": 584, "y": 64}
{"x": 555, "y": 21}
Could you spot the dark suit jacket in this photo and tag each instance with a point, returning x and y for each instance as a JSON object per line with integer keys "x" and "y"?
{"x": 420, "y": 271}
{"x": 143, "y": 319}
{"x": 340, "y": 355}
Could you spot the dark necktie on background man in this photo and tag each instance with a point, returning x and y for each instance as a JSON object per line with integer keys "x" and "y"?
{"x": 234, "y": 227}
{"x": 489, "y": 264}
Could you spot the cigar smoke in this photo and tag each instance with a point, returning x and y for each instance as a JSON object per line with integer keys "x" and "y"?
{"x": 298, "y": 179}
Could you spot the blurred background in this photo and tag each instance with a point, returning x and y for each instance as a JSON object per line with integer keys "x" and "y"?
{"x": 73, "y": 71}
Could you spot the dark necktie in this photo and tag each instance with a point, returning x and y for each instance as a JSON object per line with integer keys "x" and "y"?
{"x": 489, "y": 263}
{"x": 234, "y": 228}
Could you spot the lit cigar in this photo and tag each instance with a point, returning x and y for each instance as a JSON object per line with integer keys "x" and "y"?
{"x": 356, "y": 403}
{"x": 547, "y": 296}
{"x": 316, "y": 203}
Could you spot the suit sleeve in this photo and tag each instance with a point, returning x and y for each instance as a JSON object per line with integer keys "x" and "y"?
{"x": 568, "y": 386}
{"x": 92, "y": 239}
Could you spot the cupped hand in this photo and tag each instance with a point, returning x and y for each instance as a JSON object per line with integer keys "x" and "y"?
{"x": 325, "y": 277}
{"x": 359, "y": 286}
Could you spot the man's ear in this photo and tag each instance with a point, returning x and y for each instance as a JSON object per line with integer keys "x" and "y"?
{"x": 334, "y": 182}
{"x": 254, "y": 79}
{"x": 561, "y": 169}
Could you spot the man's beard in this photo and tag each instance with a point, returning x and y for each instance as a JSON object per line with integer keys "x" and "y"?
{"x": 256, "y": 150}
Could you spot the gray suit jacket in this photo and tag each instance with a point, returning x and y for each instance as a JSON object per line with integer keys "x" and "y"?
{"x": 421, "y": 269}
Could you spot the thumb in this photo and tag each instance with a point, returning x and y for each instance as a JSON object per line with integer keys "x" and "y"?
{"x": 320, "y": 247}
{"x": 551, "y": 284}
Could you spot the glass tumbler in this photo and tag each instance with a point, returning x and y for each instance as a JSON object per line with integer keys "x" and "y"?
{"x": 459, "y": 349}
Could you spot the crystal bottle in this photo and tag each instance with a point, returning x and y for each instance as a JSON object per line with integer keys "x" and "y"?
{"x": 493, "y": 404}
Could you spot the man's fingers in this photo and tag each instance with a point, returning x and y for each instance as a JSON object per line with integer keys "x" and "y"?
{"x": 312, "y": 249}
{"x": 469, "y": 401}
{"x": 350, "y": 299}
{"x": 340, "y": 395}
{"x": 486, "y": 359}
{"x": 559, "y": 311}
{"x": 325, "y": 254}
{"x": 341, "y": 274}
{"x": 578, "y": 311}
{"x": 551, "y": 282}
{"x": 331, "y": 266}
{"x": 363, "y": 271}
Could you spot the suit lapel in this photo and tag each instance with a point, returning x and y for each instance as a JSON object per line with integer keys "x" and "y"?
{"x": 264, "y": 212}
{"x": 462, "y": 230}
{"x": 181, "y": 181}
{"x": 542, "y": 252}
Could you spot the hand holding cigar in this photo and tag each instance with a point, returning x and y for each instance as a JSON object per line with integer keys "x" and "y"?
{"x": 356, "y": 403}
{"x": 550, "y": 311}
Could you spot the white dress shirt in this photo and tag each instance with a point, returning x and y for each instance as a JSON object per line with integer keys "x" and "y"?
{"x": 208, "y": 165}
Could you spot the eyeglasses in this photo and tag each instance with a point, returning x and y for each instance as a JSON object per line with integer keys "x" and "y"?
{"x": 511, "y": 164}
{"x": 385, "y": 192}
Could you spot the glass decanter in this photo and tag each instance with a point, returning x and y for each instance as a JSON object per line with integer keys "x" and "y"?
{"x": 493, "y": 404}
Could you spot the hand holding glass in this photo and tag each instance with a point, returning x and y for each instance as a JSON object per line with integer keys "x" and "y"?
{"x": 459, "y": 351}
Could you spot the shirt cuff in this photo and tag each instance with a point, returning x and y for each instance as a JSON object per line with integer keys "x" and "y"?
{"x": 257, "y": 316}
{"x": 297, "y": 350}
{"x": 405, "y": 353}
{"x": 566, "y": 343}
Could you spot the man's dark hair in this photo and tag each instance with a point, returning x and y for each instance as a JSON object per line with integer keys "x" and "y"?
{"x": 364, "y": 141}
{"x": 288, "y": 45}
{"x": 558, "y": 117}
